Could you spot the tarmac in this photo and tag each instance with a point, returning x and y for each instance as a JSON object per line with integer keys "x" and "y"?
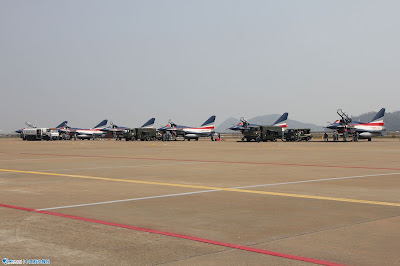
{"x": 200, "y": 202}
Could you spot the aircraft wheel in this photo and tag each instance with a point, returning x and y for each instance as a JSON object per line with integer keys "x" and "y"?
{"x": 369, "y": 139}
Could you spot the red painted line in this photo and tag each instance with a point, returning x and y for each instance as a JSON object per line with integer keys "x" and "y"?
{"x": 255, "y": 250}
{"x": 208, "y": 161}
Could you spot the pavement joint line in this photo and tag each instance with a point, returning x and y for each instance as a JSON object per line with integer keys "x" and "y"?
{"x": 206, "y": 191}
{"x": 110, "y": 167}
{"x": 121, "y": 166}
{"x": 186, "y": 237}
{"x": 208, "y": 161}
{"x": 32, "y": 159}
{"x": 212, "y": 188}
{"x": 325, "y": 230}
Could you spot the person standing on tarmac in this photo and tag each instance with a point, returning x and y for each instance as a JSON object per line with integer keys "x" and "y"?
{"x": 326, "y": 136}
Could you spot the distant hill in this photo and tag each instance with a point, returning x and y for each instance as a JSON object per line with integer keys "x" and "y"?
{"x": 266, "y": 120}
{"x": 392, "y": 120}
{"x": 223, "y": 127}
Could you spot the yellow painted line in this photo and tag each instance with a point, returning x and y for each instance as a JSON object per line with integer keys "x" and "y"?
{"x": 111, "y": 179}
{"x": 210, "y": 188}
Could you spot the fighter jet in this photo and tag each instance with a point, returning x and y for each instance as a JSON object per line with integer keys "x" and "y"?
{"x": 116, "y": 130}
{"x": 243, "y": 124}
{"x": 375, "y": 127}
{"x": 205, "y": 130}
{"x": 90, "y": 133}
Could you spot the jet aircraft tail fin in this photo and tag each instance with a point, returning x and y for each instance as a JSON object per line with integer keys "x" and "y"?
{"x": 63, "y": 124}
{"x": 379, "y": 116}
{"x": 102, "y": 123}
{"x": 209, "y": 122}
{"x": 281, "y": 122}
{"x": 149, "y": 124}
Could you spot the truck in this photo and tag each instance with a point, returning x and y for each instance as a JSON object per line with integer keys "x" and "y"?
{"x": 298, "y": 134}
{"x": 144, "y": 134}
{"x": 262, "y": 133}
{"x": 40, "y": 134}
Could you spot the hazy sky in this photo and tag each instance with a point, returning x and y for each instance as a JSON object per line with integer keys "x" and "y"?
{"x": 127, "y": 61}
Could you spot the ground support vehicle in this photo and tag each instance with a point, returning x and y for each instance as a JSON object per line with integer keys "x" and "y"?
{"x": 40, "y": 133}
{"x": 144, "y": 134}
{"x": 262, "y": 133}
{"x": 298, "y": 134}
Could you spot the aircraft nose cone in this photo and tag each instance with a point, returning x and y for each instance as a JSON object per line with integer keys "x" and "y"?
{"x": 235, "y": 127}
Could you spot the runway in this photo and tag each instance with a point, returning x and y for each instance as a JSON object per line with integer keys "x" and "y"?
{"x": 204, "y": 202}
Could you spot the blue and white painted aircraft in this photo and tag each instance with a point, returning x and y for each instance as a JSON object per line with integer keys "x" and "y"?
{"x": 117, "y": 130}
{"x": 207, "y": 129}
{"x": 243, "y": 124}
{"x": 82, "y": 133}
{"x": 365, "y": 130}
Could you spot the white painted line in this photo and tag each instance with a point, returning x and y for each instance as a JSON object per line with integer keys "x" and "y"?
{"x": 214, "y": 190}
{"x": 314, "y": 180}
{"x": 115, "y": 201}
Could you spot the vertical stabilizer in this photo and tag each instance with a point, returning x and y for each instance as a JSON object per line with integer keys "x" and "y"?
{"x": 379, "y": 116}
{"x": 102, "y": 123}
{"x": 209, "y": 122}
{"x": 282, "y": 121}
{"x": 63, "y": 124}
{"x": 149, "y": 124}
